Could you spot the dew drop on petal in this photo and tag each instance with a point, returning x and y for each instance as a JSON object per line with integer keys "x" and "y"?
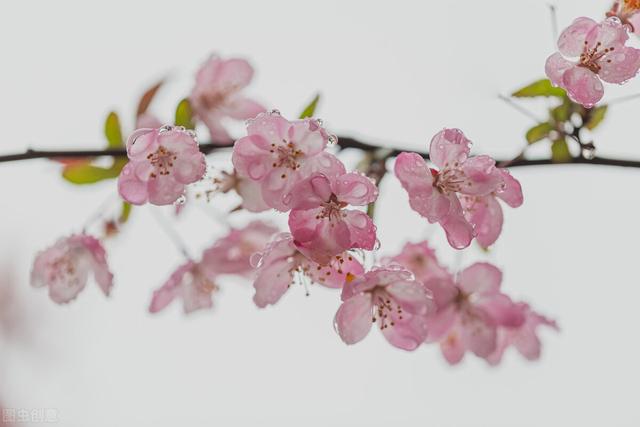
{"x": 180, "y": 200}
{"x": 274, "y": 112}
{"x": 333, "y": 139}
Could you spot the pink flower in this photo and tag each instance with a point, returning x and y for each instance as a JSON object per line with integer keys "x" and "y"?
{"x": 435, "y": 194}
{"x": 524, "y": 337}
{"x": 217, "y": 95}
{"x": 319, "y": 222}
{"x": 278, "y": 153}
{"x": 602, "y": 55}
{"x": 148, "y": 120}
{"x": 421, "y": 260}
{"x": 628, "y": 11}
{"x": 485, "y": 213}
{"x": 281, "y": 264}
{"x": 390, "y": 296}
{"x": 232, "y": 253}
{"x": 65, "y": 267}
{"x": 162, "y": 162}
{"x": 469, "y": 311}
{"x": 191, "y": 282}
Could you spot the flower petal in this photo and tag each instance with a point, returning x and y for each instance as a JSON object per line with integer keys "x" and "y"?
{"x": 353, "y": 318}
{"x": 356, "y": 189}
{"x": 448, "y": 147}
{"x": 480, "y": 278}
{"x": 485, "y": 214}
{"x": 583, "y": 86}
{"x": 571, "y": 40}
{"x": 272, "y": 282}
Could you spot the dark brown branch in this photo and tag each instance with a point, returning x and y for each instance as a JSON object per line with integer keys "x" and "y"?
{"x": 343, "y": 143}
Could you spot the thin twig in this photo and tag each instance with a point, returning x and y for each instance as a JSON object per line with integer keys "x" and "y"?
{"x": 170, "y": 232}
{"x": 510, "y": 102}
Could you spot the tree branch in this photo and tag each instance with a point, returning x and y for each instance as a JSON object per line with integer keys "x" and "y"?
{"x": 343, "y": 143}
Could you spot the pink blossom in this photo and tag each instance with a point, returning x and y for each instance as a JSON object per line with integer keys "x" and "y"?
{"x": 435, "y": 194}
{"x": 524, "y": 337}
{"x": 390, "y": 296}
{"x": 217, "y": 95}
{"x": 602, "y": 55}
{"x": 161, "y": 163}
{"x": 191, "y": 282}
{"x": 319, "y": 221}
{"x": 281, "y": 264}
{"x": 148, "y": 120}
{"x": 278, "y": 153}
{"x": 421, "y": 260}
{"x": 470, "y": 309}
{"x": 628, "y": 11}
{"x": 65, "y": 267}
{"x": 232, "y": 253}
{"x": 485, "y": 213}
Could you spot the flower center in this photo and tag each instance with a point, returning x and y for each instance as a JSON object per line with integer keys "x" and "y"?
{"x": 332, "y": 209}
{"x": 449, "y": 180}
{"x": 384, "y": 309}
{"x": 213, "y": 99}
{"x": 287, "y": 156}
{"x": 591, "y": 58}
{"x": 162, "y": 161}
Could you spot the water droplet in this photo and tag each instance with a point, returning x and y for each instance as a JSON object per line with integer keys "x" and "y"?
{"x": 274, "y": 112}
{"x": 256, "y": 260}
{"x": 181, "y": 128}
{"x": 589, "y": 153}
{"x": 180, "y": 200}
{"x": 191, "y": 133}
{"x": 166, "y": 128}
{"x": 320, "y": 122}
{"x": 377, "y": 246}
{"x": 333, "y": 139}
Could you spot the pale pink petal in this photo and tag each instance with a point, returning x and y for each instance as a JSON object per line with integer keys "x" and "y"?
{"x": 362, "y": 230}
{"x": 277, "y": 185}
{"x": 417, "y": 180}
{"x": 189, "y": 168}
{"x": 511, "y": 194}
{"x": 272, "y": 282}
{"x": 453, "y": 348}
{"x": 441, "y": 323}
{"x": 148, "y": 120}
{"x": 141, "y": 143}
{"x": 130, "y": 187}
{"x": 449, "y": 147}
{"x": 412, "y": 296}
{"x": 485, "y": 214}
{"x": 325, "y": 163}
{"x": 250, "y": 157}
{"x": 443, "y": 290}
{"x": 171, "y": 289}
{"x": 609, "y": 33}
{"x": 99, "y": 266}
{"x": 421, "y": 260}
{"x": 236, "y": 73}
{"x": 241, "y": 108}
{"x": 213, "y": 121}
{"x": 311, "y": 192}
{"x": 335, "y": 274}
{"x": 308, "y": 136}
{"x": 356, "y": 189}
{"x": 480, "y": 278}
{"x": 620, "y": 65}
{"x": 459, "y": 232}
{"x": 407, "y": 333}
{"x": 503, "y": 311}
{"x": 319, "y": 240}
{"x": 571, "y": 41}
{"x": 482, "y": 176}
{"x": 195, "y": 297}
{"x": 251, "y": 194}
{"x": 555, "y": 67}
{"x": 164, "y": 190}
{"x": 353, "y": 318}
{"x": 479, "y": 334}
{"x": 273, "y": 128}
{"x": 583, "y": 86}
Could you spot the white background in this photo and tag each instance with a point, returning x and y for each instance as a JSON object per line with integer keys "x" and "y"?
{"x": 393, "y": 72}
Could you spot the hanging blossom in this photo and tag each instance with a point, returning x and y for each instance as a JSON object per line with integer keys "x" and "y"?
{"x": 232, "y": 253}
{"x": 628, "y": 11}
{"x": 278, "y": 153}
{"x": 191, "y": 282}
{"x": 435, "y": 194}
{"x": 470, "y": 311}
{"x": 319, "y": 221}
{"x": 162, "y": 162}
{"x": 391, "y": 297}
{"x": 65, "y": 267}
{"x": 485, "y": 213}
{"x": 421, "y": 260}
{"x": 217, "y": 95}
{"x": 281, "y": 264}
{"x": 601, "y": 56}
{"x": 524, "y": 338}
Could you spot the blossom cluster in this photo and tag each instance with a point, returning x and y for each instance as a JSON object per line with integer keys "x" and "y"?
{"x": 591, "y": 52}
{"x": 291, "y": 167}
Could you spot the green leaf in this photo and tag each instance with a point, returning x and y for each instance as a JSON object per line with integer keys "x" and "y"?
{"x": 124, "y": 213}
{"x": 560, "y": 151}
{"x": 311, "y": 108}
{"x": 540, "y": 88}
{"x": 147, "y": 97}
{"x": 538, "y": 132}
{"x": 85, "y": 173}
{"x": 184, "y": 115}
{"x": 562, "y": 112}
{"x": 596, "y": 116}
{"x": 112, "y": 131}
